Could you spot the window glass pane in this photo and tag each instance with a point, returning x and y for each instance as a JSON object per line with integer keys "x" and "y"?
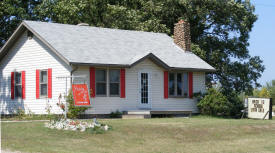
{"x": 18, "y": 91}
{"x": 18, "y": 78}
{"x": 114, "y": 75}
{"x": 114, "y": 88}
{"x": 101, "y": 88}
{"x": 185, "y": 84}
{"x": 171, "y": 84}
{"x": 43, "y": 78}
{"x": 179, "y": 84}
{"x": 43, "y": 89}
{"x": 100, "y": 75}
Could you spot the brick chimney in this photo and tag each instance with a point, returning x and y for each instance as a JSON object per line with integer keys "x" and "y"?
{"x": 182, "y": 35}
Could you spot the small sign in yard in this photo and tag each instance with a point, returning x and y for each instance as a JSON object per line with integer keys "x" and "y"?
{"x": 81, "y": 95}
{"x": 260, "y": 108}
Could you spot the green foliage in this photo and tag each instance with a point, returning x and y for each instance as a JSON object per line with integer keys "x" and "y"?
{"x": 97, "y": 130}
{"x": 267, "y": 91}
{"x": 74, "y": 111}
{"x": 215, "y": 104}
{"x": 237, "y": 105}
{"x": 21, "y": 113}
{"x": 271, "y": 89}
{"x": 12, "y": 12}
{"x": 219, "y": 28}
{"x": 116, "y": 114}
{"x": 264, "y": 93}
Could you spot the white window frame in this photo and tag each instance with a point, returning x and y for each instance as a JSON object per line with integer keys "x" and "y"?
{"x": 109, "y": 83}
{"x": 106, "y": 75}
{"x": 17, "y": 84}
{"x": 175, "y": 95}
{"x": 40, "y": 83}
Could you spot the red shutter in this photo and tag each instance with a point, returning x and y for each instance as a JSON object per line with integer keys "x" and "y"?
{"x": 12, "y": 85}
{"x": 190, "y": 77}
{"x": 23, "y": 84}
{"x": 37, "y": 84}
{"x": 50, "y": 83}
{"x": 92, "y": 81}
{"x": 165, "y": 84}
{"x": 122, "y": 83}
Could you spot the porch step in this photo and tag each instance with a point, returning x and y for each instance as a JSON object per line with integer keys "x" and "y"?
{"x": 138, "y": 112}
{"x": 136, "y": 116}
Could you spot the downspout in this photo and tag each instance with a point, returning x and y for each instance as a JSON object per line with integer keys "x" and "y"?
{"x": 73, "y": 70}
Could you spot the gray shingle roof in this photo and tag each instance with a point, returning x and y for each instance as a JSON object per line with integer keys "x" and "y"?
{"x": 94, "y": 45}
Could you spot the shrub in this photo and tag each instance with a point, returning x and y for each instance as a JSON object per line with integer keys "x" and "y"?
{"x": 116, "y": 114}
{"x": 21, "y": 113}
{"x": 215, "y": 103}
{"x": 237, "y": 105}
{"x": 74, "y": 111}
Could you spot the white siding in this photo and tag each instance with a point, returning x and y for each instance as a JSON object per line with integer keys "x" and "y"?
{"x": 28, "y": 55}
{"x": 105, "y": 105}
{"x": 31, "y": 54}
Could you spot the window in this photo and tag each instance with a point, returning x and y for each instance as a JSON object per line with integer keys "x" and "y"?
{"x": 114, "y": 78}
{"x": 185, "y": 84}
{"x": 100, "y": 79}
{"x": 107, "y": 80}
{"x": 171, "y": 84}
{"x": 18, "y": 84}
{"x": 43, "y": 83}
{"x": 178, "y": 84}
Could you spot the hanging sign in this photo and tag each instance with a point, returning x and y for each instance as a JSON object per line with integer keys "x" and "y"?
{"x": 260, "y": 108}
{"x": 81, "y": 95}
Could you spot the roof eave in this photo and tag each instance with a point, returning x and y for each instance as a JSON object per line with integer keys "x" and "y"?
{"x": 100, "y": 64}
{"x": 194, "y": 69}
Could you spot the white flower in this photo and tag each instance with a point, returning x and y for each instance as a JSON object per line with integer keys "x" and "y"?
{"x": 106, "y": 127}
{"x": 47, "y": 125}
{"x": 83, "y": 129}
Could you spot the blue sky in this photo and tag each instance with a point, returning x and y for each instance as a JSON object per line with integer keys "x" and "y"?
{"x": 262, "y": 37}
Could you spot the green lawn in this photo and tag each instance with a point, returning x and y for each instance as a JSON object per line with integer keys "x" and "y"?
{"x": 197, "y": 134}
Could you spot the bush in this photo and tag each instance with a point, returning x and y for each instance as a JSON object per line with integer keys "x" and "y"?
{"x": 116, "y": 114}
{"x": 237, "y": 105}
{"x": 74, "y": 111}
{"x": 214, "y": 103}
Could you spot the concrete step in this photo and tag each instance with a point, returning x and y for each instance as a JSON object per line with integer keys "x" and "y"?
{"x": 138, "y": 112}
{"x": 136, "y": 116}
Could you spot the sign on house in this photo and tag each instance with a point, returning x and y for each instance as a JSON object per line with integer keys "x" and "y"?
{"x": 81, "y": 95}
{"x": 260, "y": 108}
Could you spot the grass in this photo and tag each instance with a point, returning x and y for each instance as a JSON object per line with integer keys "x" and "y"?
{"x": 27, "y": 117}
{"x": 197, "y": 134}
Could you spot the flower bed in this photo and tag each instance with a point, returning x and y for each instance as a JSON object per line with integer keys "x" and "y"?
{"x": 74, "y": 125}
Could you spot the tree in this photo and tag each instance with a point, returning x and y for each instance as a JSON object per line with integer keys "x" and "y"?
{"x": 271, "y": 89}
{"x": 12, "y": 12}
{"x": 219, "y": 29}
{"x": 264, "y": 93}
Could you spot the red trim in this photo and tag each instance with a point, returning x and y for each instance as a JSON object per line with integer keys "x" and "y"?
{"x": 92, "y": 81}
{"x": 190, "y": 78}
{"x": 165, "y": 84}
{"x": 12, "y": 85}
{"x": 122, "y": 83}
{"x": 49, "y": 83}
{"x": 37, "y": 84}
{"x": 23, "y": 84}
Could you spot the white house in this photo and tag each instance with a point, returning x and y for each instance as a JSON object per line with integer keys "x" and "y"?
{"x": 124, "y": 70}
